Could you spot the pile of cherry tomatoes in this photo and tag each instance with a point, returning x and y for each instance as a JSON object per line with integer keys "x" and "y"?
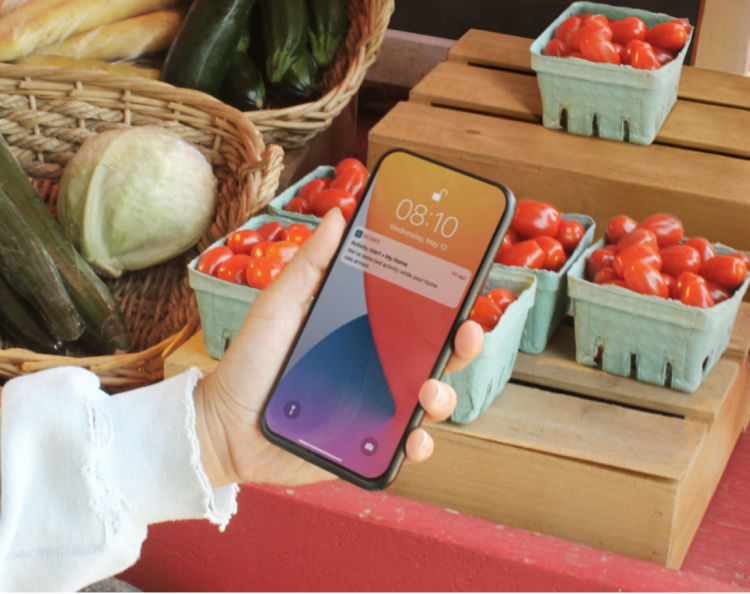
{"x": 626, "y": 41}
{"x": 254, "y": 257}
{"x": 490, "y": 307}
{"x": 539, "y": 238}
{"x": 654, "y": 258}
{"x": 321, "y": 194}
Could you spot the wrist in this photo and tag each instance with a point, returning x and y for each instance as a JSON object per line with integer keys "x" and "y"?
{"x": 216, "y": 465}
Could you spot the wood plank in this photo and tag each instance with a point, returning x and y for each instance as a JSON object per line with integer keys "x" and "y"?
{"x": 581, "y": 429}
{"x": 556, "y": 367}
{"x": 602, "y": 179}
{"x": 516, "y": 95}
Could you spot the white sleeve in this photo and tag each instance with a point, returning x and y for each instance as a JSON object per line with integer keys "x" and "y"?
{"x": 84, "y": 473}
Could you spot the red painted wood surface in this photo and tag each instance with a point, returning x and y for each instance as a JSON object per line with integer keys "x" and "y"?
{"x": 335, "y": 537}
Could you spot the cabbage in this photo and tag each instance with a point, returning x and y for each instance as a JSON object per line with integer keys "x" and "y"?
{"x": 133, "y": 197}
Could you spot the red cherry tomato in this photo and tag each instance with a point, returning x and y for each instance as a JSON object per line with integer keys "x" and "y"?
{"x": 682, "y": 280}
{"x": 570, "y": 234}
{"x": 623, "y": 30}
{"x": 211, "y": 259}
{"x": 283, "y": 250}
{"x": 554, "y": 253}
{"x": 329, "y": 198}
{"x": 565, "y": 28}
{"x": 705, "y": 248}
{"x": 486, "y": 313}
{"x": 298, "y": 205}
{"x": 556, "y": 47}
{"x": 619, "y": 226}
{"x": 261, "y": 272}
{"x": 352, "y": 180}
{"x": 666, "y": 227}
{"x": 639, "y": 235}
{"x": 233, "y": 269}
{"x": 349, "y": 163}
{"x": 271, "y": 231}
{"x": 679, "y": 258}
{"x": 742, "y": 256}
{"x": 314, "y": 186}
{"x": 641, "y": 55}
{"x": 598, "y": 19}
{"x": 526, "y": 254}
{"x": 725, "y": 270}
{"x": 670, "y": 282}
{"x": 297, "y": 232}
{"x": 501, "y": 297}
{"x": 597, "y": 49}
{"x": 605, "y": 275}
{"x": 718, "y": 292}
{"x": 534, "y": 217}
{"x": 506, "y": 243}
{"x": 664, "y": 56}
{"x": 243, "y": 240}
{"x": 259, "y": 249}
{"x": 592, "y": 29}
{"x": 671, "y": 36}
{"x": 636, "y": 253}
{"x": 621, "y": 51}
{"x": 644, "y": 279}
{"x": 697, "y": 294}
{"x": 599, "y": 258}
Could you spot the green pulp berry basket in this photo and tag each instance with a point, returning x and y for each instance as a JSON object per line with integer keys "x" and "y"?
{"x": 222, "y": 305}
{"x": 484, "y": 378}
{"x": 276, "y": 206}
{"x": 609, "y": 101}
{"x": 653, "y": 340}
{"x": 552, "y": 302}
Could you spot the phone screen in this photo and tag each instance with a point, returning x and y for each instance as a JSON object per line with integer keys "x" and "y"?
{"x": 384, "y": 316}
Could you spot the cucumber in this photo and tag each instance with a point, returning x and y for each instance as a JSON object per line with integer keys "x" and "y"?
{"x": 201, "y": 54}
{"x": 243, "y": 86}
{"x": 20, "y": 322}
{"x": 285, "y": 26}
{"x": 328, "y": 25}
{"x": 26, "y": 265}
{"x": 300, "y": 82}
{"x": 105, "y": 327}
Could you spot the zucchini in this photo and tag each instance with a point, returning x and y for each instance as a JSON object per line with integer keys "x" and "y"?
{"x": 26, "y": 265}
{"x": 201, "y": 54}
{"x": 284, "y": 33}
{"x": 300, "y": 81}
{"x": 20, "y": 322}
{"x": 105, "y": 327}
{"x": 243, "y": 86}
{"x": 328, "y": 25}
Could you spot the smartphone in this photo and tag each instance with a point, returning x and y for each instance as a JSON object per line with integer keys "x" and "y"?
{"x": 413, "y": 258}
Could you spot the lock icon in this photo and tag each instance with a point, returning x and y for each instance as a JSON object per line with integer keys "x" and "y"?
{"x": 436, "y": 196}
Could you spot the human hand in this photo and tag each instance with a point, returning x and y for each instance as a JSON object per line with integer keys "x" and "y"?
{"x": 229, "y": 400}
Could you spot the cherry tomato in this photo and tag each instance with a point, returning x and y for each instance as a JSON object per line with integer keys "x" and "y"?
{"x": 486, "y": 313}
{"x": 639, "y": 235}
{"x": 725, "y": 270}
{"x": 641, "y": 55}
{"x": 682, "y": 280}
{"x": 534, "y": 218}
{"x": 592, "y": 29}
{"x": 618, "y": 282}
{"x": 526, "y": 254}
{"x": 297, "y": 232}
{"x": 664, "y": 56}
{"x": 644, "y": 279}
{"x": 621, "y": 51}
{"x": 501, "y": 297}
{"x": 670, "y": 281}
{"x": 718, "y": 292}
{"x": 679, "y": 258}
{"x": 271, "y": 230}
{"x": 623, "y": 30}
{"x": 298, "y": 205}
{"x": 314, "y": 186}
{"x": 283, "y": 250}
{"x": 243, "y": 240}
{"x": 599, "y": 258}
{"x": 619, "y": 226}
{"x": 565, "y": 28}
{"x": 212, "y": 258}
{"x": 597, "y": 49}
{"x": 554, "y": 253}
{"x": 666, "y": 227}
{"x": 233, "y": 269}
{"x": 697, "y": 294}
{"x": 259, "y": 249}
{"x": 261, "y": 272}
{"x": 742, "y": 256}
{"x": 329, "y": 198}
{"x": 598, "y": 19}
{"x": 705, "y": 248}
{"x": 556, "y": 47}
{"x": 349, "y": 163}
{"x": 636, "y": 253}
{"x": 570, "y": 234}
{"x": 506, "y": 243}
{"x": 671, "y": 36}
{"x": 352, "y": 180}
{"x": 605, "y": 275}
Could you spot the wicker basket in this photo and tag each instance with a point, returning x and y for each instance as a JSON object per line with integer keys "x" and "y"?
{"x": 294, "y": 126}
{"x": 46, "y": 113}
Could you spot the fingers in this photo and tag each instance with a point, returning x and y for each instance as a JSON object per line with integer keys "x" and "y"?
{"x": 419, "y": 446}
{"x": 438, "y": 400}
{"x": 466, "y": 346}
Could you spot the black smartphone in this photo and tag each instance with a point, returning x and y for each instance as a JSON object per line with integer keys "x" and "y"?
{"x": 414, "y": 256}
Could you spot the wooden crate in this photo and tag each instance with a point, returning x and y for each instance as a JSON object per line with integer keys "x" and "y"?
{"x": 480, "y": 110}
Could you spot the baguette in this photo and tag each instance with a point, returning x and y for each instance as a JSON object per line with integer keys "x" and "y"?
{"x": 20, "y": 15}
{"x": 7, "y": 6}
{"x": 63, "y": 19}
{"x": 121, "y": 40}
{"x": 113, "y": 67}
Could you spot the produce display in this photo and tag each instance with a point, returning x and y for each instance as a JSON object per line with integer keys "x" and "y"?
{"x": 627, "y": 41}
{"x": 654, "y": 258}
{"x": 538, "y": 237}
{"x": 490, "y": 307}
{"x": 254, "y": 257}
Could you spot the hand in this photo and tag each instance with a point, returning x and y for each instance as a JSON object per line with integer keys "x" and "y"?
{"x": 229, "y": 400}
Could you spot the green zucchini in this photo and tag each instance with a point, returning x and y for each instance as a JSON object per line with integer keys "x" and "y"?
{"x": 285, "y": 28}
{"x": 26, "y": 265}
{"x": 201, "y": 53}
{"x": 20, "y": 322}
{"x": 328, "y": 25}
{"x": 243, "y": 86}
{"x": 105, "y": 327}
{"x": 300, "y": 81}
